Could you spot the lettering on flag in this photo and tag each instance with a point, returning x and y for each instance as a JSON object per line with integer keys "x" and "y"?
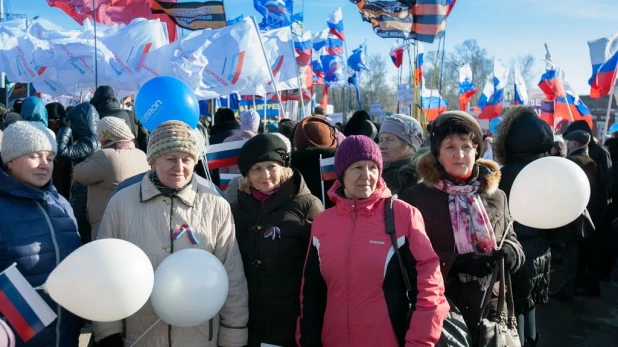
{"x": 193, "y": 15}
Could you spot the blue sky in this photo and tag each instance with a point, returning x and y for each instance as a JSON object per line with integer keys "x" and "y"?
{"x": 505, "y": 28}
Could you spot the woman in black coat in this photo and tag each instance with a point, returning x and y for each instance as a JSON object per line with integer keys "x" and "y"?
{"x": 273, "y": 216}
{"x": 77, "y": 140}
{"x": 523, "y": 138}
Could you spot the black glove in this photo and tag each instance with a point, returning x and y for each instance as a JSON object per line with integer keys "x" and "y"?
{"x": 475, "y": 264}
{"x": 65, "y": 122}
{"x": 111, "y": 341}
{"x": 510, "y": 257}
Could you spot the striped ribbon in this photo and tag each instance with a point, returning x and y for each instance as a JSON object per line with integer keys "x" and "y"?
{"x": 181, "y": 230}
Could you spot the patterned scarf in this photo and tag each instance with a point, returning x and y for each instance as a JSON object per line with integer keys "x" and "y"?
{"x": 471, "y": 227}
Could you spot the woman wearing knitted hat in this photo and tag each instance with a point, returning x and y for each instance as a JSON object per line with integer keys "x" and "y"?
{"x": 466, "y": 215}
{"x": 273, "y": 216}
{"x": 37, "y": 226}
{"x": 168, "y": 200}
{"x": 117, "y": 160}
{"x": 352, "y": 283}
{"x": 401, "y": 137}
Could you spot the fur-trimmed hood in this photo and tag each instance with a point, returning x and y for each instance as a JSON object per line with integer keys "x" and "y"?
{"x": 521, "y": 134}
{"x": 431, "y": 172}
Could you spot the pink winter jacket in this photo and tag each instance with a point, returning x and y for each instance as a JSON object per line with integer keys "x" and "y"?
{"x": 353, "y": 293}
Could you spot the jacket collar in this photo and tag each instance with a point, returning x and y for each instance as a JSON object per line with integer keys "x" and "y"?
{"x": 583, "y": 150}
{"x": 187, "y": 195}
{"x": 13, "y": 187}
{"x": 293, "y": 187}
{"x": 488, "y": 173}
{"x": 367, "y": 206}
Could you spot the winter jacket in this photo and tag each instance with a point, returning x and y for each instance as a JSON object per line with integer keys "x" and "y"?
{"x": 602, "y": 158}
{"x": 580, "y": 157}
{"x": 307, "y": 162}
{"x": 522, "y": 139}
{"x": 274, "y": 264}
{"x": 239, "y": 136}
{"x": 102, "y": 172}
{"x": 433, "y": 205}
{"x": 37, "y": 231}
{"x": 401, "y": 174}
{"x": 76, "y": 144}
{"x": 143, "y": 216}
{"x": 353, "y": 293}
{"x": 106, "y": 102}
{"x": 138, "y": 179}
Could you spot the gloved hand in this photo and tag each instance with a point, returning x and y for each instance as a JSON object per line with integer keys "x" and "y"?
{"x": 111, "y": 341}
{"x": 65, "y": 122}
{"x": 475, "y": 264}
{"x": 510, "y": 257}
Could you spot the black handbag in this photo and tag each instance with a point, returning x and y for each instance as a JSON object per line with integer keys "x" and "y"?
{"x": 454, "y": 329}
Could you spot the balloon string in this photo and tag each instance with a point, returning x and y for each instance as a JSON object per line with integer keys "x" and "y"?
{"x": 146, "y": 332}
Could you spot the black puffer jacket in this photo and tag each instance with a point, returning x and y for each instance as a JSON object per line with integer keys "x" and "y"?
{"x": 274, "y": 262}
{"x": 84, "y": 143}
{"x": 523, "y": 138}
{"x": 307, "y": 162}
{"x": 402, "y": 174}
{"x": 106, "y": 102}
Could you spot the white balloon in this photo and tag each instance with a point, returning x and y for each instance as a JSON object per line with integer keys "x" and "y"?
{"x": 190, "y": 288}
{"x": 548, "y": 193}
{"x": 103, "y": 281}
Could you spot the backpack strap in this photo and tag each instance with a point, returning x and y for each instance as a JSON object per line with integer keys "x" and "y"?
{"x": 389, "y": 220}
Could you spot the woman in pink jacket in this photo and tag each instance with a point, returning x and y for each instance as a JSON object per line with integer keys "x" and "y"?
{"x": 353, "y": 291}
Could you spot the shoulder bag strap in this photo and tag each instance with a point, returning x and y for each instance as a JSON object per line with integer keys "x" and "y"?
{"x": 389, "y": 220}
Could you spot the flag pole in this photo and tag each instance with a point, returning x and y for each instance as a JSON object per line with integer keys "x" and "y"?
{"x": 270, "y": 71}
{"x": 300, "y": 87}
{"x": 609, "y": 103}
{"x": 96, "y": 69}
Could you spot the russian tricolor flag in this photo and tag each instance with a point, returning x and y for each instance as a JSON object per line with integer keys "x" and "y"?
{"x": 397, "y": 54}
{"x": 571, "y": 104}
{"x": 303, "y": 45}
{"x": 521, "y": 92}
{"x": 466, "y": 88}
{"x": 327, "y": 169}
{"x": 22, "y": 306}
{"x": 335, "y": 23}
{"x": 223, "y": 155}
{"x": 604, "y": 58}
{"x": 224, "y": 180}
{"x": 490, "y": 103}
{"x": 550, "y": 83}
{"x": 420, "y": 59}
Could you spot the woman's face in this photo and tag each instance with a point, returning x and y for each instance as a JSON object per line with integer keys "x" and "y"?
{"x": 34, "y": 168}
{"x": 174, "y": 169}
{"x": 360, "y": 180}
{"x": 393, "y": 149}
{"x": 265, "y": 176}
{"x": 457, "y": 155}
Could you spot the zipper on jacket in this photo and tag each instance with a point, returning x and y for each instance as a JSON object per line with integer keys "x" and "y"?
{"x": 57, "y": 250}
{"x": 257, "y": 229}
{"x": 210, "y": 330}
{"x": 169, "y": 326}
{"x": 348, "y": 270}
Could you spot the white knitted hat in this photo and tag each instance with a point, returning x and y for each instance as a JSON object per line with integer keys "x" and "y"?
{"x": 250, "y": 121}
{"x": 114, "y": 129}
{"x": 22, "y": 137}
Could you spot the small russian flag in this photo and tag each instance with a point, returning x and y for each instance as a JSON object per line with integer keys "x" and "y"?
{"x": 224, "y": 180}
{"x": 327, "y": 169}
{"x": 23, "y": 307}
{"x": 223, "y": 155}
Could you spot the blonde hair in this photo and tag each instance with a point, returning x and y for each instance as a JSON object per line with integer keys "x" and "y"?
{"x": 245, "y": 186}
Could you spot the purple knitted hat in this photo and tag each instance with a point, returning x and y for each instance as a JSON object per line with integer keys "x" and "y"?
{"x": 356, "y": 148}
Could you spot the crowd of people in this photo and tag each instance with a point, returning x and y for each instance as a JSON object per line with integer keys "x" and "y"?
{"x": 430, "y": 203}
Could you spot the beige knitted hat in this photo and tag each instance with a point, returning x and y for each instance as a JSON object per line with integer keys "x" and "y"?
{"x": 172, "y": 136}
{"x": 114, "y": 129}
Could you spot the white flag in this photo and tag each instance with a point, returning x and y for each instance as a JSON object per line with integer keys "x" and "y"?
{"x": 229, "y": 60}
{"x": 521, "y": 92}
{"x": 279, "y": 48}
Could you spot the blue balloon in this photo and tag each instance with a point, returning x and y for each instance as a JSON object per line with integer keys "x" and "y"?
{"x": 493, "y": 125}
{"x": 613, "y": 128}
{"x": 166, "y": 98}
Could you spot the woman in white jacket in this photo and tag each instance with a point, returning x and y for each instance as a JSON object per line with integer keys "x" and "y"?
{"x": 147, "y": 214}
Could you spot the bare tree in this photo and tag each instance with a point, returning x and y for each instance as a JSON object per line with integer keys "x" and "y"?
{"x": 527, "y": 66}
{"x": 376, "y": 86}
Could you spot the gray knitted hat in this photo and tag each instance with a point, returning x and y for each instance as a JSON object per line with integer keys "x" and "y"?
{"x": 172, "y": 136}
{"x": 23, "y": 137}
{"x": 406, "y": 128}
